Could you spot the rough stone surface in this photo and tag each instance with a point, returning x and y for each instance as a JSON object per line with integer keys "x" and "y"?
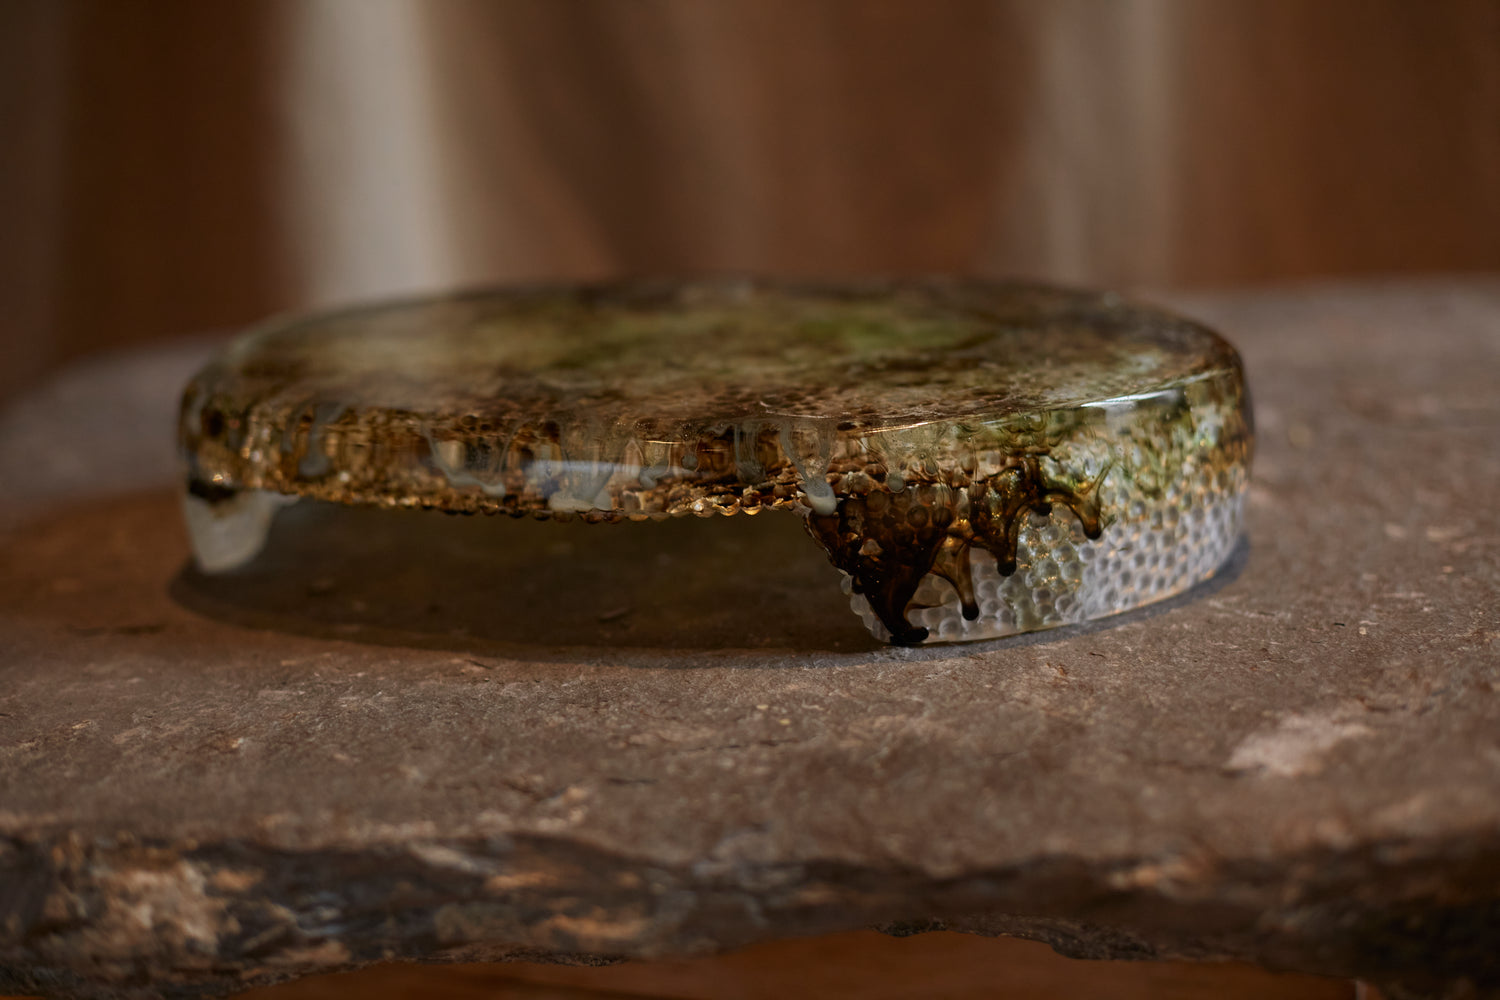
{"x": 399, "y": 734}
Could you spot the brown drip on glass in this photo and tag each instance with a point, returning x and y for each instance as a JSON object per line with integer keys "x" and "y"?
{"x": 888, "y": 540}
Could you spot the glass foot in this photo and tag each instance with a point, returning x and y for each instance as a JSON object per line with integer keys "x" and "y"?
{"x": 228, "y": 529}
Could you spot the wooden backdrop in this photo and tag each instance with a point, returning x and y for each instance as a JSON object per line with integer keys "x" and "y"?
{"x": 174, "y": 165}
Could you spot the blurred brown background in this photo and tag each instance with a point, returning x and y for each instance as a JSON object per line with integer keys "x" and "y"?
{"x": 174, "y": 166}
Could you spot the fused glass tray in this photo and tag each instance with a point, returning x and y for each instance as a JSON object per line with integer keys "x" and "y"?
{"x": 979, "y": 459}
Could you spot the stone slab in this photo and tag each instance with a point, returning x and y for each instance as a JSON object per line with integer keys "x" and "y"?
{"x": 405, "y": 735}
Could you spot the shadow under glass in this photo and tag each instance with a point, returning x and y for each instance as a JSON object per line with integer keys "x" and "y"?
{"x": 420, "y": 578}
{"x": 538, "y": 588}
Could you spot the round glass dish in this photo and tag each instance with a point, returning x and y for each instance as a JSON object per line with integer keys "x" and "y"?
{"x": 979, "y": 459}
